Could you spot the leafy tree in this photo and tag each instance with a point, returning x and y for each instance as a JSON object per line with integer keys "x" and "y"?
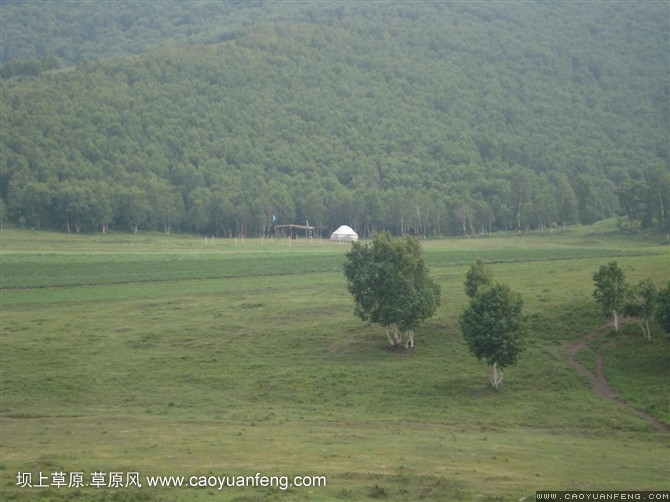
{"x": 544, "y": 206}
{"x": 663, "y": 308}
{"x": 67, "y": 205}
{"x": 220, "y": 207}
{"x": 478, "y": 276}
{"x": 165, "y": 204}
{"x": 586, "y": 201}
{"x": 31, "y": 203}
{"x": 99, "y": 209}
{"x": 611, "y": 290}
{"x": 566, "y": 200}
{"x": 632, "y": 197}
{"x": 641, "y": 304}
{"x": 390, "y": 285}
{"x": 198, "y": 207}
{"x": 134, "y": 208}
{"x": 522, "y": 185}
{"x": 658, "y": 199}
{"x": 494, "y": 328}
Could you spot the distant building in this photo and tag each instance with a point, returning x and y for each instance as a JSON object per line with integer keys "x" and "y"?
{"x": 344, "y": 234}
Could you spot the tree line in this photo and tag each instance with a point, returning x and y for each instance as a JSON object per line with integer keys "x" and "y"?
{"x": 422, "y": 119}
{"x": 153, "y": 204}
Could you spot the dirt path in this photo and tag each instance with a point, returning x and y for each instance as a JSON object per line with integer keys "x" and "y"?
{"x": 600, "y": 385}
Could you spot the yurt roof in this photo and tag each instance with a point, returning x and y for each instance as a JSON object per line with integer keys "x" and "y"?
{"x": 345, "y": 230}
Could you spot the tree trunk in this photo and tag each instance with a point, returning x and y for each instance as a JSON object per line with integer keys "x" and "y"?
{"x": 388, "y": 335}
{"x": 616, "y": 322}
{"x": 663, "y": 219}
{"x": 410, "y": 338}
{"x": 518, "y": 212}
{"x": 496, "y": 376}
{"x": 394, "y": 340}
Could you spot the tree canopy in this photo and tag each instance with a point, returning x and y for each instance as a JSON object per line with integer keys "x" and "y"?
{"x": 611, "y": 290}
{"x": 478, "y": 276}
{"x": 494, "y": 328}
{"x": 427, "y": 118}
{"x": 390, "y": 285}
{"x": 663, "y": 308}
{"x": 641, "y": 304}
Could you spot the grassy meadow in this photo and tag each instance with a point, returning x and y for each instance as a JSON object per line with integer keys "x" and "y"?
{"x": 172, "y": 356}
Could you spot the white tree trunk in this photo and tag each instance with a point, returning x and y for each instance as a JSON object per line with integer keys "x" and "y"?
{"x": 496, "y": 376}
{"x": 410, "y": 338}
{"x": 647, "y": 335}
{"x": 388, "y": 335}
{"x": 393, "y": 335}
{"x": 616, "y": 322}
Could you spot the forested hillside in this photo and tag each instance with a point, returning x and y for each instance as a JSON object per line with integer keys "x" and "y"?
{"x": 46, "y": 30}
{"x": 428, "y": 118}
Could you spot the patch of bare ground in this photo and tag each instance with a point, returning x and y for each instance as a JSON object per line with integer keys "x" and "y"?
{"x": 597, "y": 378}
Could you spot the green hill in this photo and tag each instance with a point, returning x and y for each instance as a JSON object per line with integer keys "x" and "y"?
{"x": 429, "y": 118}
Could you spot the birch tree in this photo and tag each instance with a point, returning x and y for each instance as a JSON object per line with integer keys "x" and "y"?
{"x": 658, "y": 199}
{"x": 390, "y": 285}
{"x": 611, "y": 290}
{"x": 494, "y": 328}
{"x": 662, "y": 315}
{"x": 641, "y": 304}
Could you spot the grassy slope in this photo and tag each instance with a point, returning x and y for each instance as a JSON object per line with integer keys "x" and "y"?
{"x": 176, "y": 375}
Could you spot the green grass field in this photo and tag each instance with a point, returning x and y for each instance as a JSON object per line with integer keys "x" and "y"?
{"x": 168, "y": 356}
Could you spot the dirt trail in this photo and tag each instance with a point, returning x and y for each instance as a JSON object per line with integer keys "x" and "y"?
{"x": 600, "y": 385}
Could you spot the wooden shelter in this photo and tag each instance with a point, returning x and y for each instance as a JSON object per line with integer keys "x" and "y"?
{"x": 293, "y": 230}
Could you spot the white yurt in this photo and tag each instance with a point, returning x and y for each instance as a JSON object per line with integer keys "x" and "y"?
{"x": 344, "y": 234}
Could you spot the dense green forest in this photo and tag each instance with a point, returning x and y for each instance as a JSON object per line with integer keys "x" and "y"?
{"x": 428, "y": 118}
